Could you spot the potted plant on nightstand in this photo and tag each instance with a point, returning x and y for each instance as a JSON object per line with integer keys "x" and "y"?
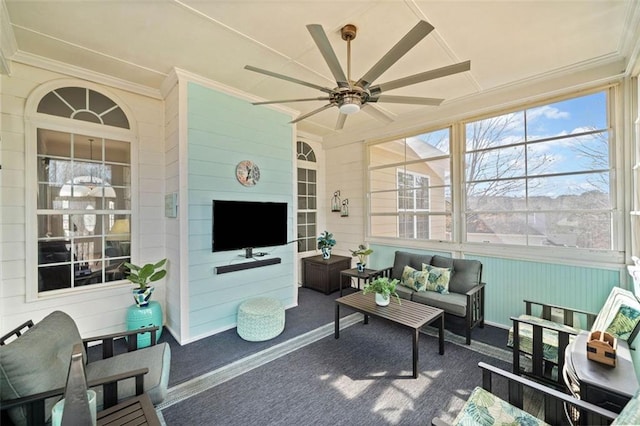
{"x": 143, "y": 276}
{"x": 325, "y": 243}
{"x": 383, "y": 289}
{"x": 362, "y": 252}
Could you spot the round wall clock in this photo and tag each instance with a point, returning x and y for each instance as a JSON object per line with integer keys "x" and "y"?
{"x": 247, "y": 173}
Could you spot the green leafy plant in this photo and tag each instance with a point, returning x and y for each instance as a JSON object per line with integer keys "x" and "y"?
{"x": 361, "y": 252}
{"x": 383, "y": 286}
{"x": 143, "y": 275}
{"x": 326, "y": 240}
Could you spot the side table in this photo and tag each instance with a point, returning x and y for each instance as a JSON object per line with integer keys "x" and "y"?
{"x": 602, "y": 385}
{"x": 145, "y": 316}
{"x": 365, "y": 276}
{"x": 324, "y": 274}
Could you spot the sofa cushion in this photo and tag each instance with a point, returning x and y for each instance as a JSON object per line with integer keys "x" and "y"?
{"x": 437, "y": 278}
{"x": 155, "y": 358}
{"x": 43, "y": 351}
{"x": 404, "y": 292}
{"x": 452, "y": 303}
{"x": 414, "y": 279}
{"x": 465, "y": 273}
{"x": 403, "y": 258}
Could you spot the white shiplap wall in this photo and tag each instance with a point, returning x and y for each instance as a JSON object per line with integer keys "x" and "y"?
{"x": 96, "y": 311}
{"x": 344, "y": 167}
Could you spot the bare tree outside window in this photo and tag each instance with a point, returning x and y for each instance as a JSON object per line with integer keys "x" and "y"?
{"x": 541, "y": 176}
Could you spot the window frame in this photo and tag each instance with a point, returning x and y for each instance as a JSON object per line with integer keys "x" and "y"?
{"x": 608, "y": 258}
{"x": 415, "y": 211}
{"x": 35, "y": 120}
{"x": 401, "y": 165}
{"x": 310, "y": 162}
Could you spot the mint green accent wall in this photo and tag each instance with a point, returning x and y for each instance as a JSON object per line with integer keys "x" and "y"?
{"x": 222, "y": 131}
{"x": 509, "y": 282}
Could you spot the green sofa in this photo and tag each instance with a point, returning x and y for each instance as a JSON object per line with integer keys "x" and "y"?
{"x": 464, "y": 296}
{"x": 37, "y": 361}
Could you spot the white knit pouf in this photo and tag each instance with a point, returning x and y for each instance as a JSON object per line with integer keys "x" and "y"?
{"x": 260, "y": 319}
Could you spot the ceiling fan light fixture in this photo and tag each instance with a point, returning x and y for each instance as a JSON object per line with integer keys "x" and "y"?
{"x": 350, "y": 104}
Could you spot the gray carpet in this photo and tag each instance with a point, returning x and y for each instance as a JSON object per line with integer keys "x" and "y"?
{"x": 314, "y": 310}
{"x": 363, "y": 378}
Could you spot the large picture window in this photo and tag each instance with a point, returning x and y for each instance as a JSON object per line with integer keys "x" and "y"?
{"x": 541, "y": 176}
{"x": 307, "y": 197}
{"x": 410, "y": 187}
{"x": 83, "y": 211}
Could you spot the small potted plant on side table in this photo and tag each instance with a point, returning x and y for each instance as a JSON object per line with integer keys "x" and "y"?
{"x": 361, "y": 252}
{"x": 325, "y": 243}
{"x": 383, "y": 289}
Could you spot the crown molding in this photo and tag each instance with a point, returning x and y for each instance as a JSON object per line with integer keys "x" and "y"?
{"x": 85, "y": 74}
{"x": 178, "y": 75}
{"x": 8, "y": 44}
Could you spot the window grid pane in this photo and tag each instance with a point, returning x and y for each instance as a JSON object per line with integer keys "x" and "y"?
{"x": 82, "y": 219}
{"x": 307, "y": 200}
{"x": 548, "y": 169}
{"x": 410, "y": 187}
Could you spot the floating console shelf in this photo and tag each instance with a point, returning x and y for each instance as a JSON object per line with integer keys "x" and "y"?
{"x": 247, "y": 265}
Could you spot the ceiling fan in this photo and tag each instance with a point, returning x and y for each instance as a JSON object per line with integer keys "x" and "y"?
{"x": 351, "y": 96}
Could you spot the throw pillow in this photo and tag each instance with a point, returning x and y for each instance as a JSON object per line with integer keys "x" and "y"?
{"x": 438, "y": 278}
{"x": 414, "y": 279}
{"x": 624, "y": 322}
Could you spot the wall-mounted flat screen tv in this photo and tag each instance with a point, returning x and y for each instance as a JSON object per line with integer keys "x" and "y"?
{"x": 241, "y": 225}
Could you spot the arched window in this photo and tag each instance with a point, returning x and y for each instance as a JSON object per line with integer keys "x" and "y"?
{"x": 83, "y": 205}
{"x": 307, "y": 197}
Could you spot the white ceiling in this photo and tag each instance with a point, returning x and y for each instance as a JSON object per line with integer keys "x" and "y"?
{"x": 506, "y": 41}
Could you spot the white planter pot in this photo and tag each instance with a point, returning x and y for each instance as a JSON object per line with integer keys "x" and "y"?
{"x": 381, "y": 300}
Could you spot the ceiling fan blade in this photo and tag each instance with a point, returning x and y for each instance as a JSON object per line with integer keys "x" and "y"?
{"x": 416, "y": 34}
{"x": 341, "y": 119}
{"x": 309, "y": 114}
{"x": 376, "y": 112}
{"x": 284, "y": 101}
{"x": 423, "y": 76}
{"x": 407, "y": 100}
{"x": 320, "y": 37}
{"x": 287, "y": 78}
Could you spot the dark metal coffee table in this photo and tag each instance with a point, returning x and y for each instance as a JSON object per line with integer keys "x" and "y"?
{"x": 409, "y": 314}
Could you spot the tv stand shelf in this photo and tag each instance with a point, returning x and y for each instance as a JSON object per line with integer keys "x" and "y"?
{"x": 247, "y": 265}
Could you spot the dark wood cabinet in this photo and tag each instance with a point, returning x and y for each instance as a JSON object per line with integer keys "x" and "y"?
{"x": 324, "y": 275}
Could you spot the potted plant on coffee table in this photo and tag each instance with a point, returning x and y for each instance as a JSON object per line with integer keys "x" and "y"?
{"x": 325, "y": 243}
{"x": 361, "y": 252}
{"x": 383, "y": 289}
{"x": 143, "y": 276}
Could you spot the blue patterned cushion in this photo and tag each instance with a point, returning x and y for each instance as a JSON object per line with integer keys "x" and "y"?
{"x": 549, "y": 337}
{"x": 438, "y": 278}
{"x": 414, "y": 279}
{"x": 624, "y": 322}
{"x": 485, "y": 409}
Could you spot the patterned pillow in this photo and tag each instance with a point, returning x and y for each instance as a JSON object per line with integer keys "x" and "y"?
{"x": 414, "y": 279}
{"x": 624, "y": 322}
{"x": 438, "y": 278}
